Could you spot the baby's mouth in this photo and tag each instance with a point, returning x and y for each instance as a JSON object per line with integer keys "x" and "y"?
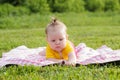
{"x": 57, "y": 46}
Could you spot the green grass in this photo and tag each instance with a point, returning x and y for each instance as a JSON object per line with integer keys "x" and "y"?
{"x": 60, "y": 73}
{"x": 70, "y": 19}
{"x": 93, "y": 29}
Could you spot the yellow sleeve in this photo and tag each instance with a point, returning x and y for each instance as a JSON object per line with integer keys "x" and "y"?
{"x": 49, "y": 54}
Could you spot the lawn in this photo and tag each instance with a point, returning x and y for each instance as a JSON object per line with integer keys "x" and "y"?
{"x": 93, "y": 29}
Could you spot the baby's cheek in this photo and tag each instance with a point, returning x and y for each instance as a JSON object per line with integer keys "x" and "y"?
{"x": 64, "y": 45}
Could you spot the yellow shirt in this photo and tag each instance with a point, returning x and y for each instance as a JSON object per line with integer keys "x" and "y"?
{"x": 54, "y": 54}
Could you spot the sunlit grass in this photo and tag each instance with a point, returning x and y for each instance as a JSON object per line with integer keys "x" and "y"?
{"x": 60, "y": 72}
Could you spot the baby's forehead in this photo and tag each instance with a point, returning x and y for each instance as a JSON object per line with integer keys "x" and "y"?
{"x": 56, "y": 28}
{"x": 56, "y": 34}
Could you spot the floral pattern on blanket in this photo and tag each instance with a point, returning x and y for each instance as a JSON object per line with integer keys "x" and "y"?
{"x": 22, "y": 55}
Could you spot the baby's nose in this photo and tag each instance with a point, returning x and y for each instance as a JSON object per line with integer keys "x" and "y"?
{"x": 57, "y": 42}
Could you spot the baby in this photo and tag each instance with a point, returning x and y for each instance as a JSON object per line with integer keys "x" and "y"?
{"x": 59, "y": 48}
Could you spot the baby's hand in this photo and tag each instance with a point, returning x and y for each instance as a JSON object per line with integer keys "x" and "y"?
{"x": 69, "y": 63}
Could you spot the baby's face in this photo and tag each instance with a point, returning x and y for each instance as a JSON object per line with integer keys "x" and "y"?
{"x": 57, "y": 40}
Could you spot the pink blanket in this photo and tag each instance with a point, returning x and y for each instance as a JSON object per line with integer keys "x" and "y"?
{"x": 85, "y": 55}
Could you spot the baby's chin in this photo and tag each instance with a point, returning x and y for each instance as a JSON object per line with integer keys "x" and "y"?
{"x": 58, "y": 50}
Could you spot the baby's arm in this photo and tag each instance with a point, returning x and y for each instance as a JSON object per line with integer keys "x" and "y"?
{"x": 42, "y": 53}
{"x": 55, "y": 60}
{"x": 71, "y": 59}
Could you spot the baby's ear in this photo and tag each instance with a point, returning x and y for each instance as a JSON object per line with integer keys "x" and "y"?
{"x": 46, "y": 39}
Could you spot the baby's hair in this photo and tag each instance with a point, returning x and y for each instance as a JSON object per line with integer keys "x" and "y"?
{"x": 54, "y": 21}
{"x": 54, "y": 24}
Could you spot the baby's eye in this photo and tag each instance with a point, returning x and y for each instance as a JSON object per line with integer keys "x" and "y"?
{"x": 60, "y": 39}
{"x": 53, "y": 40}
